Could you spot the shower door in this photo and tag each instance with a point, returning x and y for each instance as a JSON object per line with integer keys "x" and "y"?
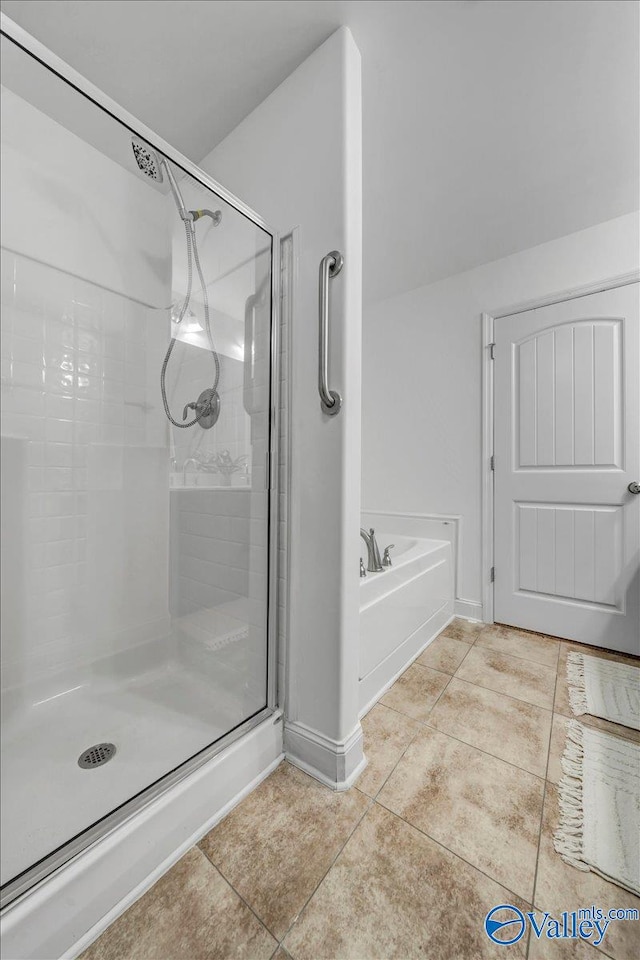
{"x": 138, "y": 399}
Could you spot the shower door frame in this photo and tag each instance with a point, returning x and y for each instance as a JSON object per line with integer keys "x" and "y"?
{"x": 23, "y": 884}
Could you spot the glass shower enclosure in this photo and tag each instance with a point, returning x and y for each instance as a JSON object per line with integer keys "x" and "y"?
{"x": 138, "y": 418}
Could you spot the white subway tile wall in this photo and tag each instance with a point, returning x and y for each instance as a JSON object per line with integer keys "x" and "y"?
{"x": 192, "y": 371}
{"x": 219, "y": 536}
{"x": 59, "y": 396}
{"x": 111, "y": 550}
{"x": 74, "y": 382}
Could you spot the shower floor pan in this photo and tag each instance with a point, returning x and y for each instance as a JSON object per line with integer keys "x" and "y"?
{"x": 157, "y": 719}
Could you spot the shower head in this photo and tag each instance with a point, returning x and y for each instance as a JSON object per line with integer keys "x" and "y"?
{"x": 151, "y": 164}
{"x": 147, "y": 159}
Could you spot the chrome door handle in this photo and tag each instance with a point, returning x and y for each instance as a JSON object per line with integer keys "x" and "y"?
{"x": 634, "y": 487}
{"x": 330, "y": 266}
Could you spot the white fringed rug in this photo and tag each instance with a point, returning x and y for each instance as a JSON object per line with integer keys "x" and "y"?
{"x": 604, "y": 689}
{"x": 599, "y": 826}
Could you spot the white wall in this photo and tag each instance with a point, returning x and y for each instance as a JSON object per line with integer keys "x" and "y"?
{"x": 421, "y": 432}
{"x": 66, "y": 204}
{"x": 297, "y": 161}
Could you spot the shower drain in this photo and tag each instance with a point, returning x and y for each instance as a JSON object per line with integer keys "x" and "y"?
{"x": 97, "y": 755}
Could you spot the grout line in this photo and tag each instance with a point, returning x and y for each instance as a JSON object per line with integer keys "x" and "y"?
{"x": 280, "y": 940}
{"x": 317, "y": 886}
{"x": 407, "y": 716}
{"x": 468, "y": 640}
{"x": 515, "y": 656}
{"x": 465, "y": 657}
{"x": 430, "y": 726}
{"x": 501, "y": 693}
{"x": 486, "y": 753}
{"x": 401, "y": 712}
{"x": 440, "y": 694}
{"x": 239, "y": 895}
{"x": 423, "y": 666}
{"x": 454, "y": 854}
{"x": 544, "y": 800}
{"x": 374, "y": 798}
{"x": 370, "y": 804}
{"x": 528, "y": 947}
{"x": 445, "y": 733}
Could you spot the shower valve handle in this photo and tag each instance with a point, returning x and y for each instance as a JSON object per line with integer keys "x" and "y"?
{"x": 189, "y": 406}
{"x": 201, "y": 408}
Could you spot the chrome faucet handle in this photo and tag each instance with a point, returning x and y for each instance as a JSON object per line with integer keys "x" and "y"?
{"x": 363, "y": 572}
{"x": 386, "y": 559}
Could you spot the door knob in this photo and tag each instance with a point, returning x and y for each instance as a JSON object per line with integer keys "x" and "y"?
{"x": 634, "y": 487}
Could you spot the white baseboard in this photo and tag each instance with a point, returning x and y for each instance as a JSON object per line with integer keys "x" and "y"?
{"x": 468, "y": 609}
{"x": 336, "y": 763}
{"x": 71, "y": 908}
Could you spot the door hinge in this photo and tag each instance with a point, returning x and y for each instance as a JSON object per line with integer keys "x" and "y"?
{"x": 492, "y": 462}
{"x": 492, "y": 575}
{"x": 492, "y": 350}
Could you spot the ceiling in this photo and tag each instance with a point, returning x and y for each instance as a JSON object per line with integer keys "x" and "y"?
{"x": 488, "y": 125}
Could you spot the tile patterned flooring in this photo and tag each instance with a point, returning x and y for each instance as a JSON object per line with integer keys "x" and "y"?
{"x": 454, "y": 814}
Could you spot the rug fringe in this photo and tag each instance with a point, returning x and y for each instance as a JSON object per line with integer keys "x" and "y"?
{"x": 568, "y": 838}
{"x": 576, "y": 683}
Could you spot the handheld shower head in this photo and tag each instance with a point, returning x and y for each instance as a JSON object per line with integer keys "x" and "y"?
{"x": 151, "y": 164}
{"x": 147, "y": 160}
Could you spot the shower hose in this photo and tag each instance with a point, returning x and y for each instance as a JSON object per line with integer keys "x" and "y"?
{"x": 192, "y": 256}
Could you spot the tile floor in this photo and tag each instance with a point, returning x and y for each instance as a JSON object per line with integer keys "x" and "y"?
{"x": 454, "y": 814}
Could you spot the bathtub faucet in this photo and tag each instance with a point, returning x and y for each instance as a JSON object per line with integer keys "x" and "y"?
{"x": 374, "y": 564}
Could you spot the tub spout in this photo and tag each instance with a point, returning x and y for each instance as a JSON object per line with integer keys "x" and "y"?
{"x": 374, "y": 564}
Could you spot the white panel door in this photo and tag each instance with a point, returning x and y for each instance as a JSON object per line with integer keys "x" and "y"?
{"x": 567, "y": 446}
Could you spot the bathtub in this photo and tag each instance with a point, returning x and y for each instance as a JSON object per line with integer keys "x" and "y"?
{"x": 402, "y": 610}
